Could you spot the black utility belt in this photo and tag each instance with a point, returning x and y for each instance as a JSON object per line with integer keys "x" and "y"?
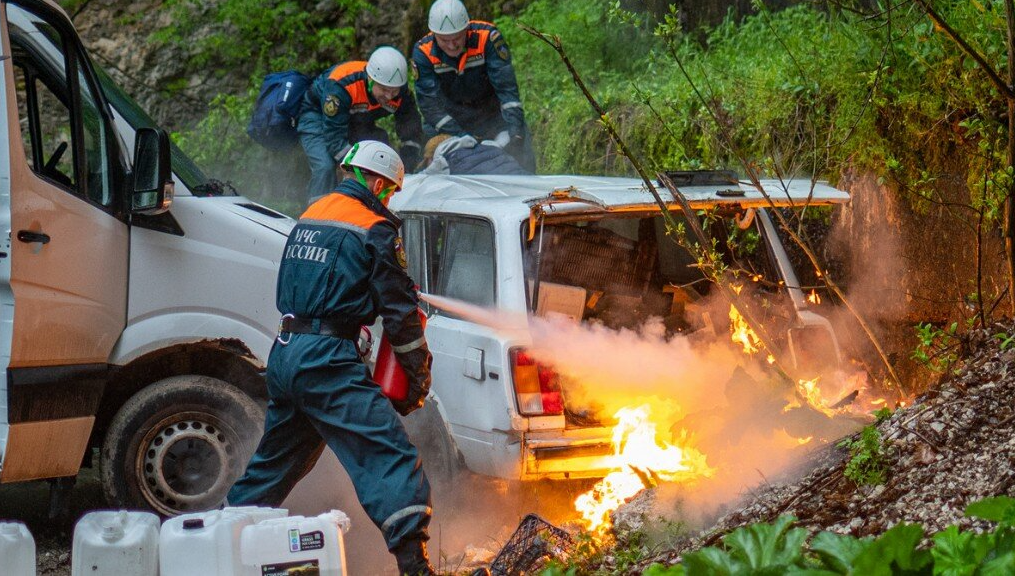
{"x": 322, "y": 326}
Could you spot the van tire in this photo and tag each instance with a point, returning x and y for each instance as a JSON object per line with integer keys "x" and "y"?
{"x": 429, "y": 433}
{"x": 177, "y": 445}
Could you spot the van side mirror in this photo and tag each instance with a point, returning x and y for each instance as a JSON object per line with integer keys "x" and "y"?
{"x": 153, "y": 173}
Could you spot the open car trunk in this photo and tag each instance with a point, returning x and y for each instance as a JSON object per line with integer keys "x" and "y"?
{"x": 610, "y": 260}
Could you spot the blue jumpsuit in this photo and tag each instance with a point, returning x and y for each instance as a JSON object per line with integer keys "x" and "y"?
{"x": 475, "y": 93}
{"x": 339, "y": 110}
{"x": 341, "y": 263}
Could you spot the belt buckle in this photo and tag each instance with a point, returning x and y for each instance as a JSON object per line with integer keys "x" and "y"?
{"x": 278, "y": 336}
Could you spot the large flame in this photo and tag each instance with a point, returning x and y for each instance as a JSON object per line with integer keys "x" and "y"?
{"x": 742, "y": 334}
{"x": 639, "y": 461}
{"x": 811, "y": 394}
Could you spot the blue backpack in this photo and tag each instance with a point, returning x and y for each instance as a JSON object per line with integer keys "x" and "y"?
{"x": 273, "y": 123}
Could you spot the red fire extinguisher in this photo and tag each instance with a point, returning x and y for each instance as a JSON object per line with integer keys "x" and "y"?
{"x": 388, "y": 372}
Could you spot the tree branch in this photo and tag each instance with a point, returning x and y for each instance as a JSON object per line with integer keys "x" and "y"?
{"x": 1003, "y": 87}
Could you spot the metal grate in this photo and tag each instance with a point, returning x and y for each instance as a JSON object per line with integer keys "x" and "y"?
{"x": 533, "y": 544}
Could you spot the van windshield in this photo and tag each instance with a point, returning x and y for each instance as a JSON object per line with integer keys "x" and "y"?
{"x": 185, "y": 169}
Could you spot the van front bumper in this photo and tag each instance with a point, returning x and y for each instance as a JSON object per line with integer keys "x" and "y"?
{"x": 566, "y": 454}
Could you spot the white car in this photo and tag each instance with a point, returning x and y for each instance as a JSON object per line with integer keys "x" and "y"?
{"x": 605, "y": 255}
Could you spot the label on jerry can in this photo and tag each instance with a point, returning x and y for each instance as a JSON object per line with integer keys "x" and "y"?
{"x": 304, "y": 568}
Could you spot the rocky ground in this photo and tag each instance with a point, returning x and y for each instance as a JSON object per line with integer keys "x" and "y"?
{"x": 953, "y": 446}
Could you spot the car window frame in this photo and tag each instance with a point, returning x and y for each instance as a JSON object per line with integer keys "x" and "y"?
{"x": 429, "y": 284}
{"x": 78, "y": 65}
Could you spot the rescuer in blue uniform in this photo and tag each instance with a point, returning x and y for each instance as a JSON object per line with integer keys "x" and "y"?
{"x": 343, "y": 266}
{"x": 342, "y": 106}
{"x": 465, "y": 83}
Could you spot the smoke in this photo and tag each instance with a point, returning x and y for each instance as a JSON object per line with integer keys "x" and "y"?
{"x": 703, "y": 391}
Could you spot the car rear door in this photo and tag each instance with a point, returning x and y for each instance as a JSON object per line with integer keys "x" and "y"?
{"x": 454, "y": 256}
{"x": 69, "y": 242}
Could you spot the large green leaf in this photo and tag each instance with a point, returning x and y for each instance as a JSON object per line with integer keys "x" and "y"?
{"x": 767, "y": 545}
{"x": 713, "y": 562}
{"x": 838, "y": 552}
{"x": 1003, "y": 565}
{"x": 660, "y": 570}
{"x": 958, "y": 553}
{"x": 999, "y": 509}
{"x": 894, "y": 552}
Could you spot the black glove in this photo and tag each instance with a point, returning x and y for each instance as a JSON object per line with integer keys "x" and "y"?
{"x": 416, "y": 364}
{"x": 410, "y": 157}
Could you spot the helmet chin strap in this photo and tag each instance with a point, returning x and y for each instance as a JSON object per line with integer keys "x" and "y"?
{"x": 362, "y": 180}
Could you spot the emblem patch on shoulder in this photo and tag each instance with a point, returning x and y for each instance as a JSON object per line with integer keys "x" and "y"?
{"x": 331, "y": 105}
{"x": 415, "y": 70}
{"x": 500, "y": 46}
{"x": 400, "y": 254}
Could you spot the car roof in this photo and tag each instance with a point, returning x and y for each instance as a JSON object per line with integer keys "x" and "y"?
{"x": 511, "y": 196}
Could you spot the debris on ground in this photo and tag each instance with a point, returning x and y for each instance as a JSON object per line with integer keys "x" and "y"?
{"x": 953, "y": 446}
{"x": 533, "y": 544}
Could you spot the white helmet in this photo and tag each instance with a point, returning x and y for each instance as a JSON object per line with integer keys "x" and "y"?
{"x": 448, "y": 17}
{"x": 378, "y": 158}
{"x": 387, "y": 67}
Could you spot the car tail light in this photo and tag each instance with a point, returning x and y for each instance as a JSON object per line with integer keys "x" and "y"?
{"x": 537, "y": 386}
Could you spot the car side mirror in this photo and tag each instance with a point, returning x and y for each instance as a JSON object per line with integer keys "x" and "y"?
{"x": 153, "y": 172}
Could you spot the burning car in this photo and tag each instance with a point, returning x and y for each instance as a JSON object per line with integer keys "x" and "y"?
{"x": 594, "y": 250}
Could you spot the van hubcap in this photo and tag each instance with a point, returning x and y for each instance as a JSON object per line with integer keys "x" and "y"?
{"x": 184, "y": 463}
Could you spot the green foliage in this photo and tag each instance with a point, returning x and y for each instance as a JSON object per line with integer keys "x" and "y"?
{"x": 261, "y": 35}
{"x": 778, "y": 548}
{"x": 1005, "y": 340}
{"x": 867, "y": 463}
{"x": 936, "y": 348}
{"x": 256, "y": 36}
{"x": 882, "y": 414}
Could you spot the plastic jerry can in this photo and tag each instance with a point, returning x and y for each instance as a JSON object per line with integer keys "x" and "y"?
{"x": 296, "y": 546}
{"x": 17, "y": 550}
{"x": 205, "y": 542}
{"x": 258, "y": 513}
{"x": 116, "y": 543}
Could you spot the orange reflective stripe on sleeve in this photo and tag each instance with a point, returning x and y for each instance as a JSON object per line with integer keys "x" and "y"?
{"x": 342, "y": 208}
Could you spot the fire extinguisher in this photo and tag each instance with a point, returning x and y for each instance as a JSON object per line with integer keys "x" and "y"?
{"x": 388, "y": 372}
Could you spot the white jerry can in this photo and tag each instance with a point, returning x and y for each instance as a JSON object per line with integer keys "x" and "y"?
{"x": 258, "y": 513}
{"x": 17, "y": 549}
{"x": 296, "y": 546}
{"x": 208, "y": 543}
{"x": 116, "y": 543}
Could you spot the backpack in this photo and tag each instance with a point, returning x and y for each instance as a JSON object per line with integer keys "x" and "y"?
{"x": 273, "y": 122}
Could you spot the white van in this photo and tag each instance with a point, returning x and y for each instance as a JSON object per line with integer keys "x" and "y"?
{"x": 132, "y": 318}
{"x": 594, "y": 249}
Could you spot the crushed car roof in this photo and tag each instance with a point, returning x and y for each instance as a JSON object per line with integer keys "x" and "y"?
{"x": 499, "y": 196}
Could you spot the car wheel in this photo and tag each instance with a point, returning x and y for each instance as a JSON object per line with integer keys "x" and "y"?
{"x": 178, "y": 445}
{"x": 429, "y": 433}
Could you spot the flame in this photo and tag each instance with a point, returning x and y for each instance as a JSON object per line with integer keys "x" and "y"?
{"x": 770, "y": 359}
{"x": 814, "y": 298}
{"x": 811, "y": 394}
{"x": 639, "y": 461}
{"x": 742, "y": 334}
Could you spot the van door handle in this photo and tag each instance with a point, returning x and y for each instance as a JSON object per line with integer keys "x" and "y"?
{"x": 27, "y": 236}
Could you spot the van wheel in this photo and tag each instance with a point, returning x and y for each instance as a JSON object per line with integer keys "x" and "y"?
{"x": 429, "y": 433}
{"x": 178, "y": 445}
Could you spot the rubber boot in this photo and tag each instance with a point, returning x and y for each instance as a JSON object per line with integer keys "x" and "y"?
{"x": 412, "y": 559}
